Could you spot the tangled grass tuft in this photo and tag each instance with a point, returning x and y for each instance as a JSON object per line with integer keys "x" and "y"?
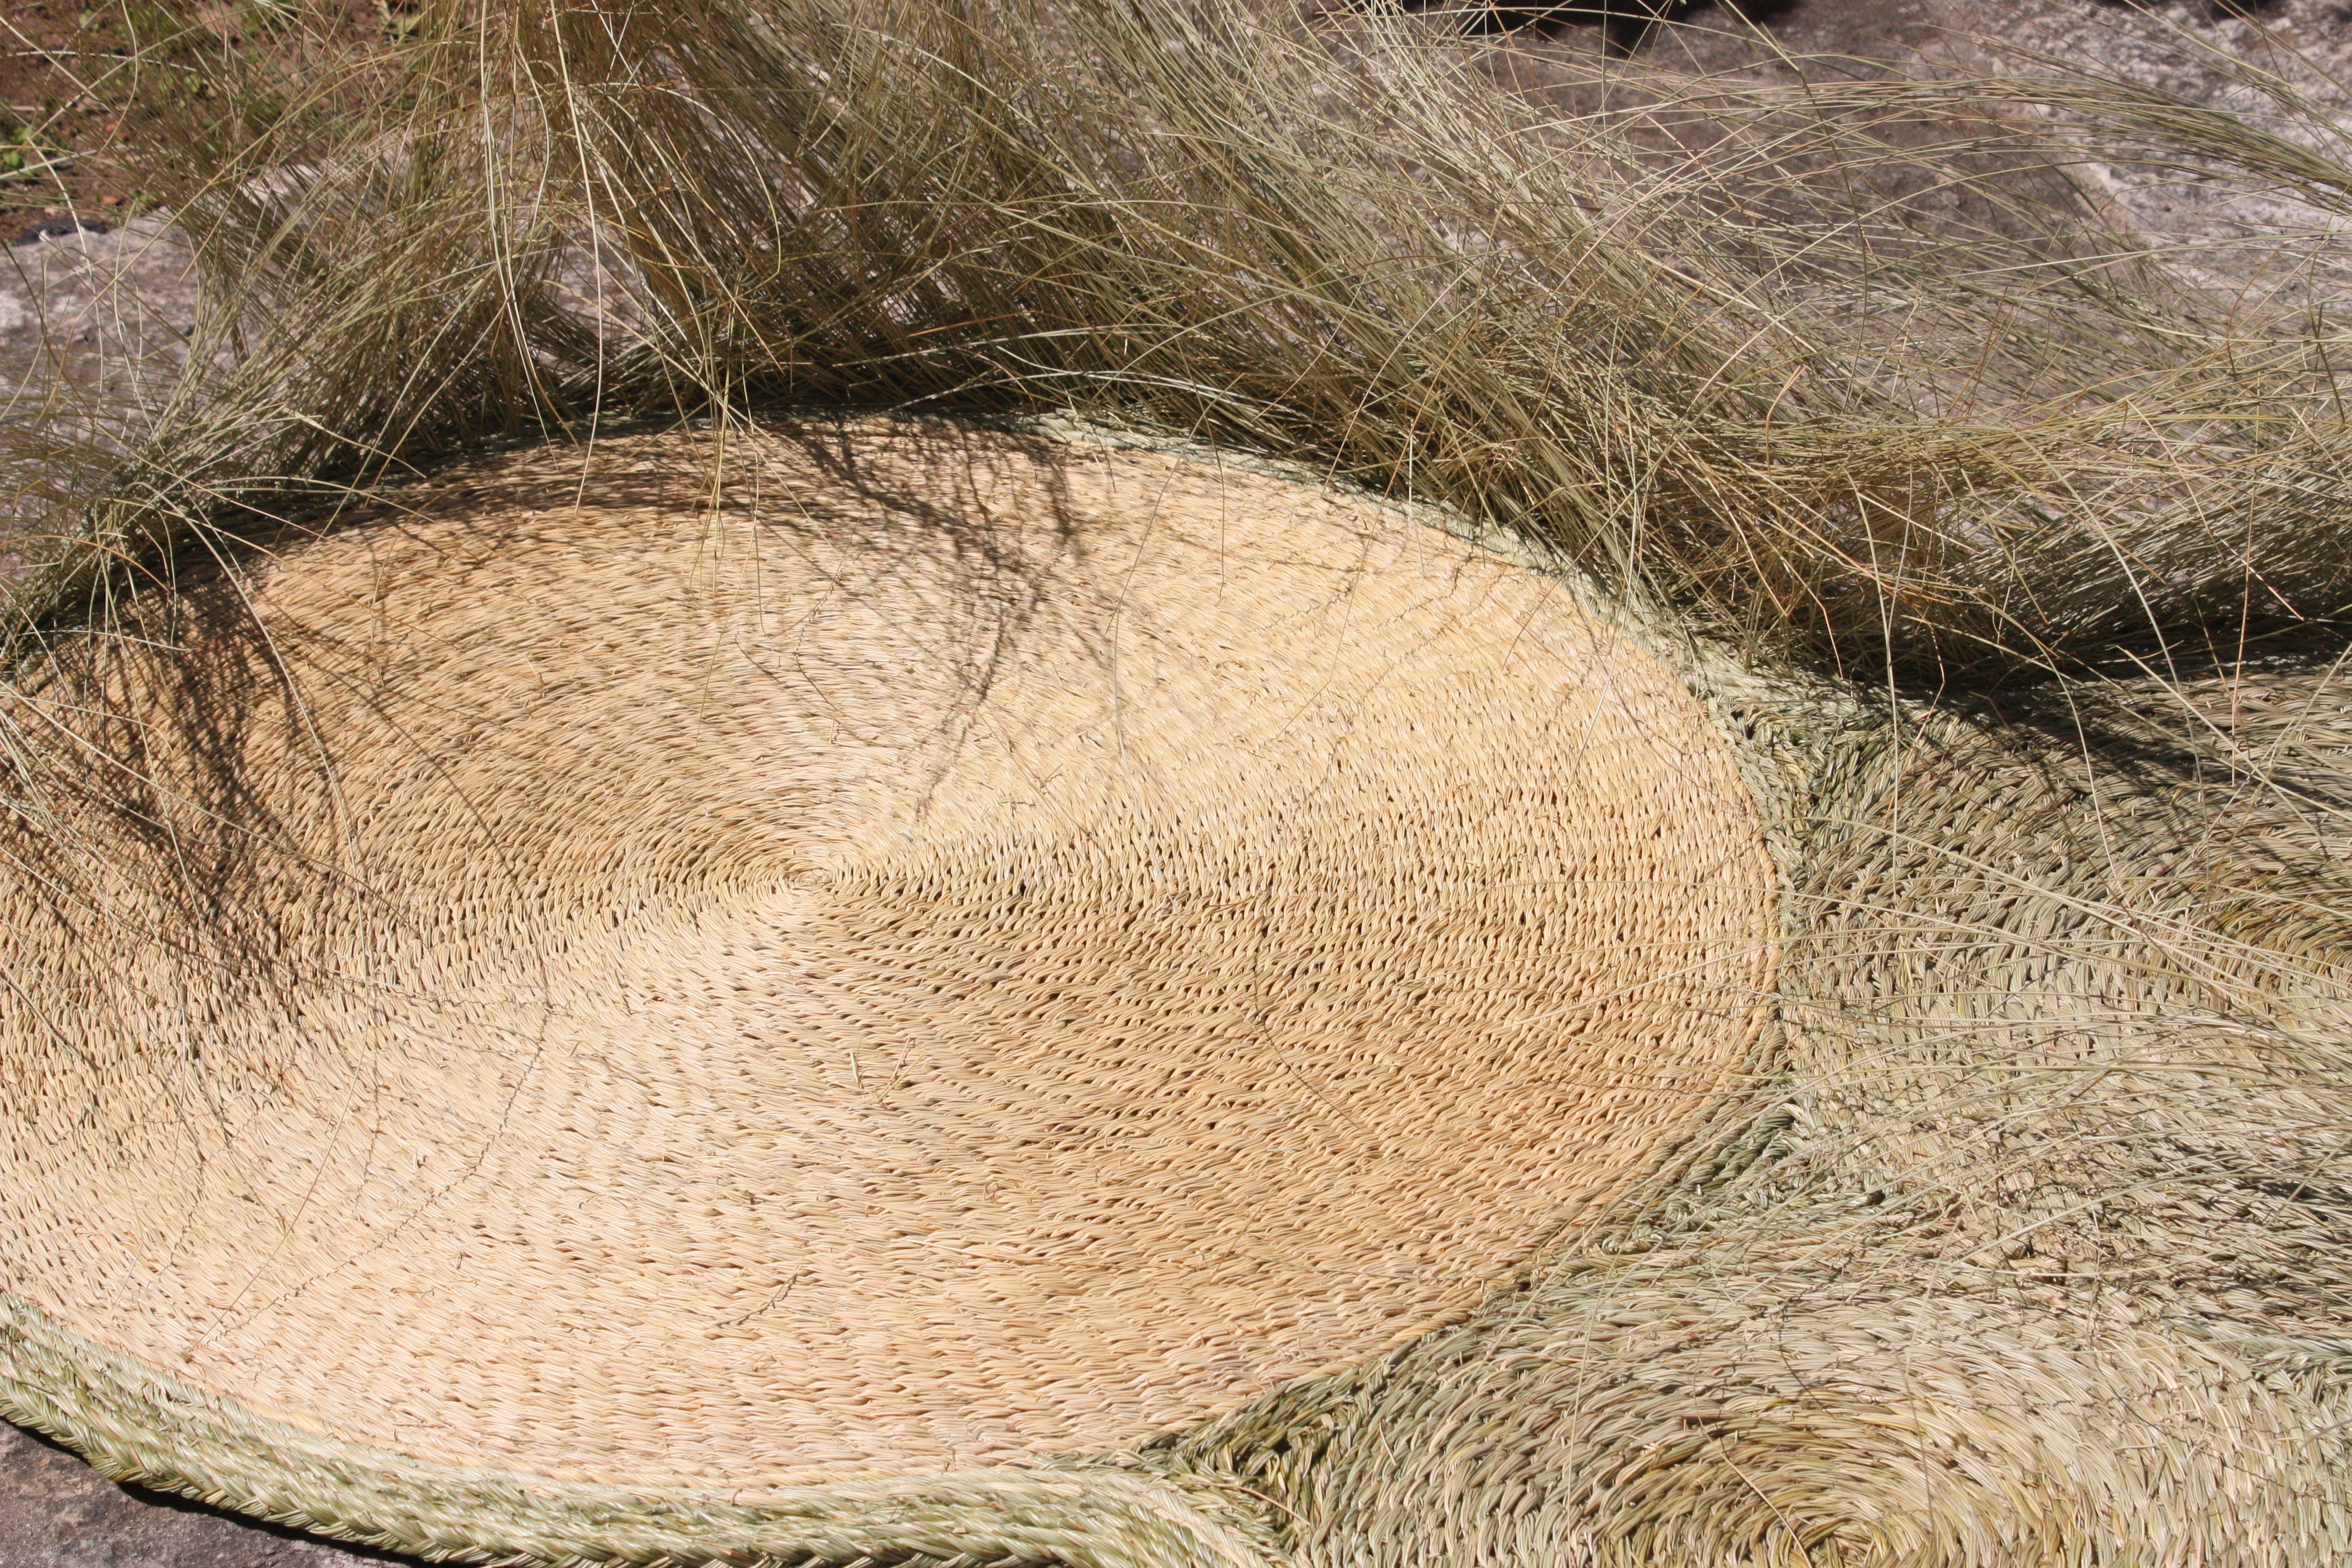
{"x": 1764, "y": 383}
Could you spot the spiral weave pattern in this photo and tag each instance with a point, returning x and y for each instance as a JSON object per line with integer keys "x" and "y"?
{"x": 960, "y": 952}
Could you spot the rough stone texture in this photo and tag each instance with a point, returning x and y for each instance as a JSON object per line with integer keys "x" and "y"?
{"x": 2207, "y": 55}
{"x": 102, "y": 312}
{"x": 2283, "y": 66}
{"x": 97, "y": 312}
{"x": 58, "y": 1512}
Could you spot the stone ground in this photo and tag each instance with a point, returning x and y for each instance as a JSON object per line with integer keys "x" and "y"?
{"x": 58, "y": 1512}
{"x": 96, "y": 311}
{"x": 93, "y": 313}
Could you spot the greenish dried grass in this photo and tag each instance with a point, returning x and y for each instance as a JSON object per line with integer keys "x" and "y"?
{"x": 1760, "y": 385}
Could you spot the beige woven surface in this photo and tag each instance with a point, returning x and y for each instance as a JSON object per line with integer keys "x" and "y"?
{"x": 2035, "y": 1249}
{"x": 942, "y": 957}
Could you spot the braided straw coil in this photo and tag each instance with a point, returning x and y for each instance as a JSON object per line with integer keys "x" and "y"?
{"x": 936, "y": 953}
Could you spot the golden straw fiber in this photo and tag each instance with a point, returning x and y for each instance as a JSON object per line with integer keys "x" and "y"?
{"x": 892, "y": 952}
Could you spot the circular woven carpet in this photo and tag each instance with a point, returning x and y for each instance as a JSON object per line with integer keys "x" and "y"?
{"x": 937, "y": 950}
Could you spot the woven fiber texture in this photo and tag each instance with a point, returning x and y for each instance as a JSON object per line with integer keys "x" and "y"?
{"x": 891, "y": 951}
{"x": 2036, "y": 1247}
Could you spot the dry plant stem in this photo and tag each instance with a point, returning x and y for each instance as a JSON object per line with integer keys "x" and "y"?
{"x": 1750, "y": 386}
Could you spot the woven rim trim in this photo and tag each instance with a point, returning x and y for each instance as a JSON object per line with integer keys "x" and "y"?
{"x": 137, "y": 1424}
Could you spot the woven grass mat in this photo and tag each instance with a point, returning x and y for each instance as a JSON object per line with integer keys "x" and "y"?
{"x": 2013, "y": 1229}
{"x": 578, "y": 994}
